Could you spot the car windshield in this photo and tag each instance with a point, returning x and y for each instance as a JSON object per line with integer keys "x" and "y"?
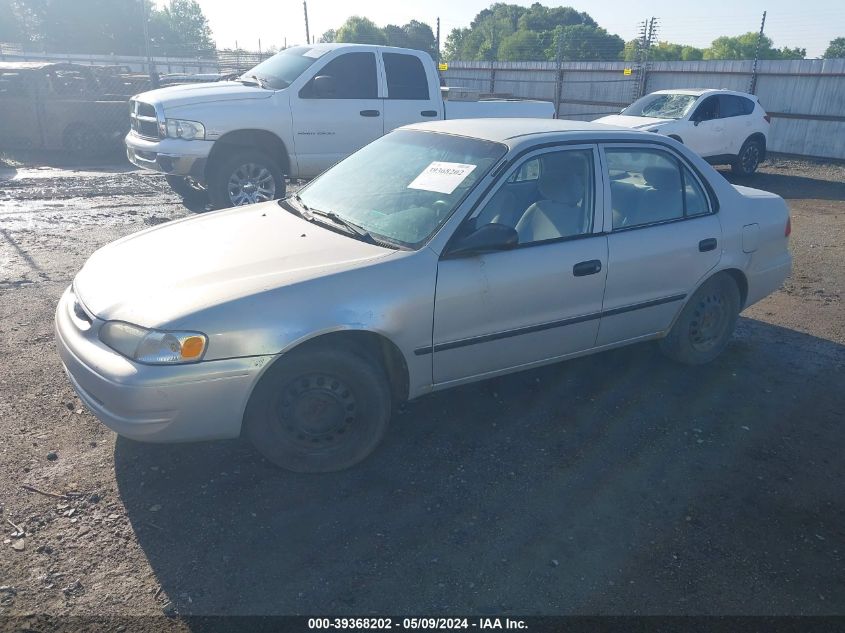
{"x": 663, "y": 106}
{"x": 405, "y": 185}
{"x": 280, "y": 70}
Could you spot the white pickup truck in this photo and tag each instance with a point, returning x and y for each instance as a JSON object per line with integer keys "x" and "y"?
{"x": 294, "y": 115}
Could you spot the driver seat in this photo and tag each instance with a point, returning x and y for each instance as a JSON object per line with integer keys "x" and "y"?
{"x": 558, "y": 214}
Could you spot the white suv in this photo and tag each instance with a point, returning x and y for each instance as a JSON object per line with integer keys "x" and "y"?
{"x": 724, "y": 127}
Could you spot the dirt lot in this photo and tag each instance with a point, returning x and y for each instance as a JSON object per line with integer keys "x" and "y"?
{"x": 614, "y": 484}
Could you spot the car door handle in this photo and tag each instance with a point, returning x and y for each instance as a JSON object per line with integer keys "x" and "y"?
{"x": 707, "y": 245}
{"x": 369, "y": 113}
{"x": 429, "y": 113}
{"x": 586, "y": 268}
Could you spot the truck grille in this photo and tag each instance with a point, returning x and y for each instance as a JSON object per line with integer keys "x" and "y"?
{"x": 143, "y": 119}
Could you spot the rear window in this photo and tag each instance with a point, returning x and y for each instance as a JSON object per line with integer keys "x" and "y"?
{"x": 406, "y": 77}
{"x": 733, "y": 105}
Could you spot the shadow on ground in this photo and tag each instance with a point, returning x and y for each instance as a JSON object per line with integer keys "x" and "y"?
{"x": 618, "y": 483}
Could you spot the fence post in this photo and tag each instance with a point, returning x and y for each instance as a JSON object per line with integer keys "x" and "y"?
{"x": 492, "y": 77}
{"x": 559, "y": 74}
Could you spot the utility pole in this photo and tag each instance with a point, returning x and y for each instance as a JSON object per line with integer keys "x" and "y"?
{"x": 753, "y": 87}
{"x": 307, "y": 33}
{"x": 438, "y": 41}
{"x": 648, "y": 32}
{"x": 146, "y": 31}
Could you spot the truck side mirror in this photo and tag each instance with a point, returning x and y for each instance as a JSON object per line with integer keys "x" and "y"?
{"x": 324, "y": 86}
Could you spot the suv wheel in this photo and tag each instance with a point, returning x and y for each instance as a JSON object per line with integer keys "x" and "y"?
{"x": 748, "y": 159}
{"x": 245, "y": 177}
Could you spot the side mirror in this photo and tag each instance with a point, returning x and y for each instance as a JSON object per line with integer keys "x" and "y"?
{"x": 324, "y": 86}
{"x": 489, "y": 238}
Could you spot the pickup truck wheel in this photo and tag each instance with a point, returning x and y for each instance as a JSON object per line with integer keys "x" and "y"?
{"x": 245, "y": 177}
{"x": 706, "y": 323}
{"x": 319, "y": 411}
{"x": 187, "y": 188}
{"x": 748, "y": 159}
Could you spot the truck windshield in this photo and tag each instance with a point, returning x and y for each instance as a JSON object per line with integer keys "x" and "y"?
{"x": 404, "y": 186}
{"x": 663, "y": 106}
{"x": 280, "y": 70}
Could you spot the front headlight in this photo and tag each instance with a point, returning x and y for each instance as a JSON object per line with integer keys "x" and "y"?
{"x": 154, "y": 347}
{"x": 186, "y": 130}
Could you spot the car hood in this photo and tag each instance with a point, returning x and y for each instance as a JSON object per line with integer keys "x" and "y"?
{"x": 633, "y": 122}
{"x": 156, "y": 277}
{"x": 190, "y": 94}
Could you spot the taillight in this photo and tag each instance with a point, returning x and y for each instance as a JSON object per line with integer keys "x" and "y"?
{"x": 767, "y": 118}
{"x": 788, "y": 230}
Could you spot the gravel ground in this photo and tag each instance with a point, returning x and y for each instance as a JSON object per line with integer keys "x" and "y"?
{"x": 615, "y": 484}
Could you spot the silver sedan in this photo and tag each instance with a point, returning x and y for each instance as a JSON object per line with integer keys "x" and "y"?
{"x": 440, "y": 254}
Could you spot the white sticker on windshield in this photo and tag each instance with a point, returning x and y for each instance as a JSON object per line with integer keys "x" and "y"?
{"x": 315, "y": 52}
{"x": 442, "y": 177}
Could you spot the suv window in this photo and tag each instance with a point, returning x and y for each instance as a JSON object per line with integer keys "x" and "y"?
{"x": 732, "y": 105}
{"x": 648, "y": 186}
{"x": 353, "y": 75}
{"x": 406, "y": 78}
{"x": 707, "y": 110}
{"x": 559, "y": 205}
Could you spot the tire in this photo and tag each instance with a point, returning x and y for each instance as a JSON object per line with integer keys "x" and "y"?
{"x": 85, "y": 141}
{"x": 187, "y": 188}
{"x": 749, "y": 158}
{"x": 319, "y": 411}
{"x": 253, "y": 176}
{"x": 706, "y": 323}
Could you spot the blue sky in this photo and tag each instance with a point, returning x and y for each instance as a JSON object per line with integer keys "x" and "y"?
{"x": 810, "y": 24}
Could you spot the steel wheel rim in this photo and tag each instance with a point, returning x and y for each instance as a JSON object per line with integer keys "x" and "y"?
{"x": 316, "y": 412}
{"x": 709, "y": 322}
{"x": 251, "y": 183}
{"x": 750, "y": 158}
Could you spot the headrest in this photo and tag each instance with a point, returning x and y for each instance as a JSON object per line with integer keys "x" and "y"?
{"x": 566, "y": 188}
{"x": 662, "y": 177}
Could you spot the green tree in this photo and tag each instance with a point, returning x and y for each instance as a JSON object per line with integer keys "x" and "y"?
{"x": 581, "y": 42}
{"x": 328, "y": 37}
{"x": 360, "y": 30}
{"x": 744, "y": 47}
{"x": 508, "y": 31}
{"x": 419, "y": 36}
{"x": 521, "y": 46}
{"x": 836, "y": 50}
{"x": 11, "y": 25}
{"x": 188, "y": 26}
{"x": 663, "y": 52}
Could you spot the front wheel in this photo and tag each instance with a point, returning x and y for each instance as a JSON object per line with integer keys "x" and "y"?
{"x": 749, "y": 158}
{"x": 245, "y": 177}
{"x": 706, "y": 323}
{"x": 319, "y": 411}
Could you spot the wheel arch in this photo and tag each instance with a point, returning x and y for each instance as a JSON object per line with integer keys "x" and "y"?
{"x": 760, "y": 138}
{"x": 370, "y": 344}
{"x": 263, "y": 140}
{"x": 738, "y": 277}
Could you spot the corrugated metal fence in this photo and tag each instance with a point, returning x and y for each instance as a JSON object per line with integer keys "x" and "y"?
{"x": 806, "y": 98}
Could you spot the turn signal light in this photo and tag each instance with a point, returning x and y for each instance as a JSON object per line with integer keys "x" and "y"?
{"x": 192, "y": 347}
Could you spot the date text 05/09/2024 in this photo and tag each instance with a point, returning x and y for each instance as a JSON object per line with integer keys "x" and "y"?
{"x": 376, "y": 623}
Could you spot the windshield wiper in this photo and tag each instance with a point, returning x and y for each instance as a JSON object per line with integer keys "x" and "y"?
{"x": 353, "y": 228}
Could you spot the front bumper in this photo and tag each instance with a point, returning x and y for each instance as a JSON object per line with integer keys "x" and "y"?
{"x": 178, "y": 403}
{"x": 169, "y": 155}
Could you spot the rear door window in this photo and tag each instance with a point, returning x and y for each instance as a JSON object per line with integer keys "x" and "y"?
{"x": 406, "y": 78}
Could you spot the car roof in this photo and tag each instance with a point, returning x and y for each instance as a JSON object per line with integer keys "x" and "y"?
{"x": 513, "y": 131}
{"x": 701, "y": 91}
{"x": 330, "y": 46}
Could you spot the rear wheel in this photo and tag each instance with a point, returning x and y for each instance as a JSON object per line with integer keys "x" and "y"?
{"x": 245, "y": 177}
{"x": 706, "y": 323}
{"x": 319, "y": 411}
{"x": 749, "y": 158}
{"x": 187, "y": 188}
